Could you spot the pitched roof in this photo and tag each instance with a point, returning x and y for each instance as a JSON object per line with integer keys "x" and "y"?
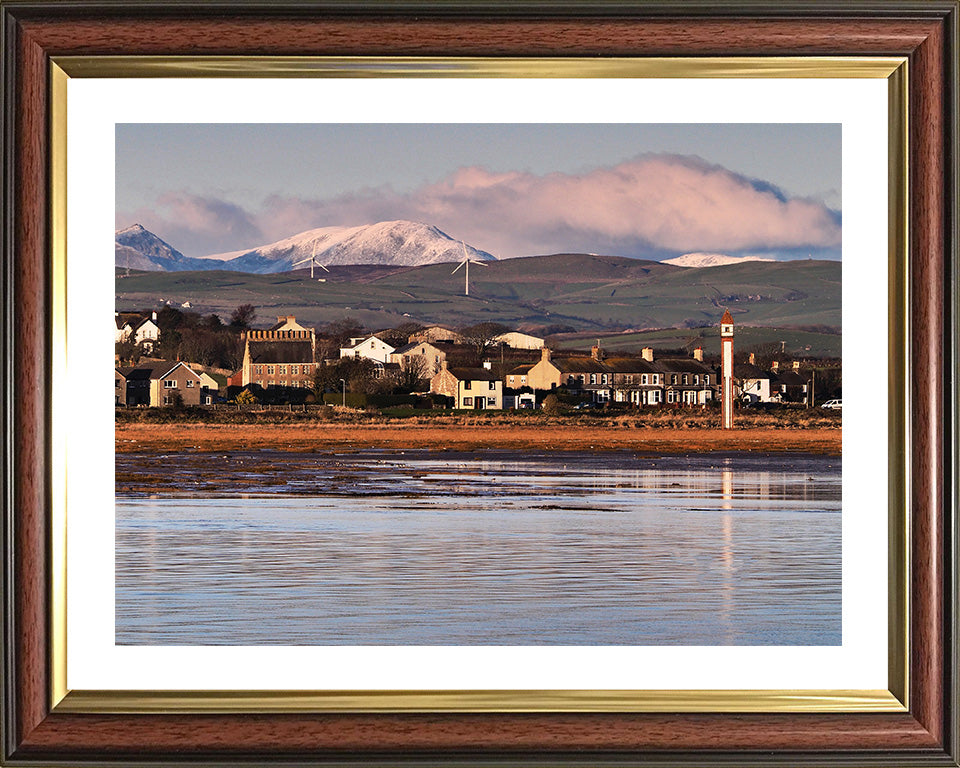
{"x": 790, "y": 378}
{"x": 299, "y": 351}
{"x": 578, "y": 365}
{"x": 521, "y": 369}
{"x": 156, "y": 370}
{"x": 630, "y": 365}
{"x": 473, "y": 374}
{"x": 748, "y": 371}
{"x": 682, "y": 365}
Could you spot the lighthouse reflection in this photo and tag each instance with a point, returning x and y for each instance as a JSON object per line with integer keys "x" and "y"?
{"x": 501, "y": 549}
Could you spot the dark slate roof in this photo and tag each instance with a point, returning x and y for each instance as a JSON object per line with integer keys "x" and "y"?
{"x": 300, "y": 351}
{"x": 748, "y": 371}
{"x": 154, "y": 370}
{"x": 521, "y": 369}
{"x": 407, "y": 347}
{"x": 630, "y": 365}
{"x": 682, "y": 365}
{"x": 790, "y": 378}
{"x": 578, "y": 365}
{"x": 473, "y": 374}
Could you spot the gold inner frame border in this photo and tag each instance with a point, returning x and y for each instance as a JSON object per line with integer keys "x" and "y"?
{"x": 895, "y": 699}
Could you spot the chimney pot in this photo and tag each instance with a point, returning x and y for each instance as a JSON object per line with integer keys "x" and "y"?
{"x": 775, "y": 365}
{"x": 647, "y": 354}
{"x": 753, "y": 359}
{"x": 796, "y": 365}
{"x": 698, "y": 354}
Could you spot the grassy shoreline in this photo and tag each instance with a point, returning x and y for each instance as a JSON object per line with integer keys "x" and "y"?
{"x": 134, "y": 437}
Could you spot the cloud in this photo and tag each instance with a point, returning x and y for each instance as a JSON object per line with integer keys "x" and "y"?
{"x": 195, "y": 225}
{"x": 652, "y": 205}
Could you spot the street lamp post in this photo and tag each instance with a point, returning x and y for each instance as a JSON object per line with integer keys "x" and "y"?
{"x": 344, "y": 384}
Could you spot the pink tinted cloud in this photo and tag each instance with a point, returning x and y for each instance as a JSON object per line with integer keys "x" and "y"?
{"x": 649, "y": 204}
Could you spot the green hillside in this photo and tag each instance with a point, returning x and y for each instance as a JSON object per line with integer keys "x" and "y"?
{"x": 588, "y": 293}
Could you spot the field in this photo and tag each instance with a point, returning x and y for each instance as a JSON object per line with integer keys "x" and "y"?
{"x": 812, "y": 431}
{"x": 588, "y": 294}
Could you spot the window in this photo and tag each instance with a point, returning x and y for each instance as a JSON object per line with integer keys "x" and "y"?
{"x": 116, "y": 383}
{"x": 523, "y": 379}
{"x": 670, "y": 395}
{"x": 189, "y": 383}
{"x": 269, "y": 370}
{"x": 467, "y": 384}
{"x": 306, "y": 369}
{"x": 593, "y": 378}
{"x": 283, "y": 370}
{"x": 643, "y": 378}
{"x": 696, "y": 378}
{"x": 706, "y": 379}
{"x": 167, "y": 399}
{"x": 259, "y": 370}
{"x": 686, "y": 379}
{"x": 468, "y": 402}
{"x": 295, "y": 370}
{"x": 603, "y": 378}
{"x": 493, "y": 385}
{"x": 673, "y": 380}
{"x": 169, "y": 383}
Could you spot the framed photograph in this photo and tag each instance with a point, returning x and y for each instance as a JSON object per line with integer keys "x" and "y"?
{"x": 478, "y": 384}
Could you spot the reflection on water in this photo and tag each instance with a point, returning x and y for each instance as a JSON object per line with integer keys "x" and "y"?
{"x": 507, "y": 549}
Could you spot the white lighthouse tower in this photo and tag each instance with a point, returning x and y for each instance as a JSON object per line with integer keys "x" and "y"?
{"x": 726, "y": 367}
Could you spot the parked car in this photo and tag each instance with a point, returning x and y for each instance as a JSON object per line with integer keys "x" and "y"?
{"x": 833, "y": 404}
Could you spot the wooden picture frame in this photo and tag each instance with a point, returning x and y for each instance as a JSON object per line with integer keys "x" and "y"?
{"x": 36, "y": 33}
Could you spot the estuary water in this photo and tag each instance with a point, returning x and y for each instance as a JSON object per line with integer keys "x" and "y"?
{"x": 486, "y": 548}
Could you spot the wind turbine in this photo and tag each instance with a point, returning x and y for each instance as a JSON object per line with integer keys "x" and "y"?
{"x": 467, "y": 261}
{"x": 312, "y": 260}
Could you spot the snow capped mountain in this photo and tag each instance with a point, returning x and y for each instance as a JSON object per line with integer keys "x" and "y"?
{"x": 394, "y": 243}
{"x": 709, "y": 260}
{"x": 138, "y": 248}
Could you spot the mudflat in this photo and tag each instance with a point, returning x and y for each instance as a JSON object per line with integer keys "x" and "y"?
{"x": 303, "y": 437}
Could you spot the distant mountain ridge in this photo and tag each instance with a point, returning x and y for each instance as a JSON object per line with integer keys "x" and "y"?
{"x": 388, "y": 243}
{"x": 138, "y": 248}
{"x": 700, "y": 260}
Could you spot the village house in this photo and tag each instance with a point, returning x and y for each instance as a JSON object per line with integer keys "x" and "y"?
{"x": 752, "y": 385}
{"x": 476, "y": 388}
{"x": 517, "y": 340}
{"x": 516, "y": 378}
{"x": 789, "y": 386}
{"x": 436, "y": 333}
{"x": 368, "y": 348}
{"x": 575, "y": 372}
{"x": 120, "y": 386}
{"x": 636, "y": 381}
{"x": 284, "y": 355}
{"x": 430, "y": 355}
{"x": 687, "y": 381}
{"x": 163, "y": 382}
{"x": 140, "y": 329}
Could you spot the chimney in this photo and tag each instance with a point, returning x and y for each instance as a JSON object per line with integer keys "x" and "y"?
{"x": 596, "y": 352}
{"x": 487, "y": 365}
{"x": 796, "y": 365}
{"x": 775, "y": 366}
{"x": 647, "y": 354}
{"x": 753, "y": 359}
{"x": 154, "y": 316}
{"x": 443, "y": 365}
{"x": 544, "y": 355}
{"x": 698, "y": 354}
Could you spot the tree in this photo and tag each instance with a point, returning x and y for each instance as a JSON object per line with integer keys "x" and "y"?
{"x": 551, "y": 405}
{"x": 414, "y": 374}
{"x": 340, "y": 331}
{"x": 243, "y": 316}
{"x": 245, "y": 397}
{"x": 481, "y": 335}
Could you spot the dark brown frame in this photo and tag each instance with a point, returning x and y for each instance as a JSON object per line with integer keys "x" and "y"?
{"x": 925, "y": 32}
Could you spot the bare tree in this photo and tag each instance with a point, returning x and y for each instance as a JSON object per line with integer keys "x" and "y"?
{"x": 481, "y": 335}
{"x": 414, "y": 374}
{"x": 243, "y": 316}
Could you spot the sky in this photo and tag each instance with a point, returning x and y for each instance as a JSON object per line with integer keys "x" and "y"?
{"x": 644, "y": 191}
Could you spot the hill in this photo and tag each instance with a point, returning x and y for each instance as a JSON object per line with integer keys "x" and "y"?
{"x": 580, "y": 292}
